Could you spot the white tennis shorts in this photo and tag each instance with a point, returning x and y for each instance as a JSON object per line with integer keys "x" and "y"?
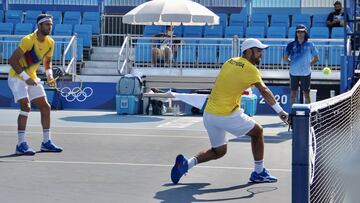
{"x": 238, "y": 124}
{"x": 21, "y": 90}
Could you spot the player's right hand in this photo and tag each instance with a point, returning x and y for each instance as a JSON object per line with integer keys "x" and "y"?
{"x": 31, "y": 82}
{"x": 284, "y": 117}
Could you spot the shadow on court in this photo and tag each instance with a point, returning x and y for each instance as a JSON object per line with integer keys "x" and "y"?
{"x": 112, "y": 118}
{"x": 279, "y": 138}
{"x": 186, "y": 192}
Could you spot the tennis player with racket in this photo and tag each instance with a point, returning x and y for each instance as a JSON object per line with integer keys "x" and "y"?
{"x": 33, "y": 49}
{"x": 223, "y": 114}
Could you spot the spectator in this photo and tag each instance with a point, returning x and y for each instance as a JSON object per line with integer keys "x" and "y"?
{"x": 162, "y": 47}
{"x": 301, "y": 54}
{"x": 223, "y": 114}
{"x": 337, "y": 17}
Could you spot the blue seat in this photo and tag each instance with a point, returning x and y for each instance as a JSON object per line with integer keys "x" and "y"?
{"x": 291, "y": 33}
{"x": 301, "y": 19}
{"x": 231, "y": 31}
{"x": 337, "y": 33}
{"x": 79, "y": 50}
{"x": 320, "y": 33}
{"x": 337, "y": 49}
{"x": 178, "y": 31}
{"x": 193, "y": 31}
{"x": 14, "y": 16}
{"x": 225, "y": 51}
{"x": 58, "y": 47}
{"x": 276, "y": 32}
{"x": 274, "y": 54}
{"x": 238, "y": 19}
{"x": 207, "y": 52}
{"x": 223, "y": 21}
{"x": 255, "y": 32}
{"x": 23, "y": 28}
{"x": 259, "y": 19}
{"x": 63, "y": 30}
{"x": 213, "y": 31}
{"x": 6, "y": 28}
{"x": 72, "y": 17}
{"x": 151, "y": 30}
{"x": 57, "y": 16}
{"x": 280, "y": 20}
{"x": 187, "y": 52}
{"x": 319, "y": 20}
{"x": 93, "y": 19}
{"x": 84, "y": 32}
{"x": 31, "y": 16}
{"x": 1, "y": 16}
{"x": 143, "y": 51}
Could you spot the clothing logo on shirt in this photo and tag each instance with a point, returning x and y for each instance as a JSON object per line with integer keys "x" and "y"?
{"x": 236, "y": 63}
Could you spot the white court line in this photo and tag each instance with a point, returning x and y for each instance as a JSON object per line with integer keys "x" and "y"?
{"x": 230, "y": 137}
{"x": 132, "y": 164}
{"x": 180, "y": 123}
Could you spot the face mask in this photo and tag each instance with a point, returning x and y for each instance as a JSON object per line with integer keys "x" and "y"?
{"x": 338, "y": 10}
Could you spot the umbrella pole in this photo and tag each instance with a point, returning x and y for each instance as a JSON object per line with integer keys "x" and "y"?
{"x": 171, "y": 46}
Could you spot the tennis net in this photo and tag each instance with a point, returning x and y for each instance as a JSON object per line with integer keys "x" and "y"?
{"x": 325, "y": 133}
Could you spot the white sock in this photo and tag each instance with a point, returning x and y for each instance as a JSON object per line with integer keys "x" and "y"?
{"x": 259, "y": 166}
{"x": 192, "y": 162}
{"x": 21, "y": 136}
{"x": 46, "y": 135}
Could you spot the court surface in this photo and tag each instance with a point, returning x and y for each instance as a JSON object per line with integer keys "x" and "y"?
{"x": 111, "y": 158}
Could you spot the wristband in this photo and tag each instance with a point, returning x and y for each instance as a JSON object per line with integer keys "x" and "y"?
{"x": 24, "y": 75}
{"x": 277, "y": 108}
{"x": 49, "y": 72}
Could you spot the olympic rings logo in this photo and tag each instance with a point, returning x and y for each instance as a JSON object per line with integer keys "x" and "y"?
{"x": 76, "y": 93}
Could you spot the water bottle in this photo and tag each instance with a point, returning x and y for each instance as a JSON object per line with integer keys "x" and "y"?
{"x": 150, "y": 110}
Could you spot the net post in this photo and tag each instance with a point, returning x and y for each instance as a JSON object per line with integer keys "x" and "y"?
{"x": 300, "y": 153}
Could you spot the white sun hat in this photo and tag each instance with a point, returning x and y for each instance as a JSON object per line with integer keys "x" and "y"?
{"x": 252, "y": 42}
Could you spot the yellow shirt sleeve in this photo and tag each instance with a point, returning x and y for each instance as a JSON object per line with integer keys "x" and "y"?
{"x": 26, "y": 44}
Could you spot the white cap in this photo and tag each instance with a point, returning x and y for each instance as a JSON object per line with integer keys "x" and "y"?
{"x": 252, "y": 42}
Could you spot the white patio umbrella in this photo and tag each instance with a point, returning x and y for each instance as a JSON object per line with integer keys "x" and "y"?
{"x": 171, "y": 12}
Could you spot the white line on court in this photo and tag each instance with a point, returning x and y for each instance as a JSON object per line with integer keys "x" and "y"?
{"x": 131, "y": 164}
{"x": 180, "y": 122}
{"x": 139, "y": 135}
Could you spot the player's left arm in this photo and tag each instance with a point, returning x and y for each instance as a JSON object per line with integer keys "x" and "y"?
{"x": 270, "y": 99}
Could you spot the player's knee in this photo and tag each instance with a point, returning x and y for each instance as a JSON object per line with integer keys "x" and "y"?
{"x": 25, "y": 108}
{"x": 45, "y": 107}
{"x": 257, "y": 131}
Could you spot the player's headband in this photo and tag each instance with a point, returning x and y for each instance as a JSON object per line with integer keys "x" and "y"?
{"x": 45, "y": 20}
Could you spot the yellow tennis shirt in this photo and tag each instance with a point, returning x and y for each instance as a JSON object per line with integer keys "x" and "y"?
{"x": 236, "y": 75}
{"x": 34, "y": 52}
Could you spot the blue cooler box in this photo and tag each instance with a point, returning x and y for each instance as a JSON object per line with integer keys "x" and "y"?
{"x": 249, "y": 103}
{"x": 127, "y": 104}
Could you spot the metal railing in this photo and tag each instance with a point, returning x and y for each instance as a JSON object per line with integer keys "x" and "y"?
{"x": 211, "y": 53}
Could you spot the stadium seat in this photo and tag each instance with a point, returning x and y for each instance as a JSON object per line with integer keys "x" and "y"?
{"x": 301, "y": 19}
{"x": 319, "y": 20}
{"x": 143, "y": 51}
{"x": 23, "y": 28}
{"x": 337, "y": 49}
{"x": 1, "y": 16}
{"x": 193, "y": 31}
{"x": 255, "y": 32}
{"x": 31, "y": 16}
{"x": 79, "y": 50}
{"x": 63, "y": 30}
{"x": 337, "y": 33}
{"x": 178, "y": 31}
{"x": 319, "y": 33}
{"x": 213, "y": 31}
{"x": 58, "y": 47}
{"x": 14, "y": 16}
{"x": 84, "y": 32}
{"x": 238, "y": 19}
{"x": 231, "y": 31}
{"x": 6, "y": 28}
{"x": 223, "y": 20}
{"x": 280, "y": 20}
{"x": 10, "y": 46}
{"x": 187, "y": 52}
{"x": 151, "y": 30}
{"x": 291, "y": 33}
{"x": 72, "y": 17}
{"x": 57, "y": 16}
{"x": 274, "y": 54}
{"x": 259, "y": 19}
{"x": 207, "y": 52}
{"x": 93, "y": 19}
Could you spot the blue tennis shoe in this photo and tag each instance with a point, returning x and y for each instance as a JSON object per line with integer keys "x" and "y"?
{"x": 50, "y": 147}
{"x": 179, "y": 169}
{"x": 263, "y": 177}
{"x": 24, "y": 149}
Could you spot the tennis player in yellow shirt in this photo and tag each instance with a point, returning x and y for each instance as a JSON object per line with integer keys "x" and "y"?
{"x": 223, "y": 113}
{"x": 33, "y": 49}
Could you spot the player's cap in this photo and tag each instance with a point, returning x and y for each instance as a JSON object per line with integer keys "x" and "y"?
{"x": 301, "y": 27}
{"x": 252, "y": 42}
